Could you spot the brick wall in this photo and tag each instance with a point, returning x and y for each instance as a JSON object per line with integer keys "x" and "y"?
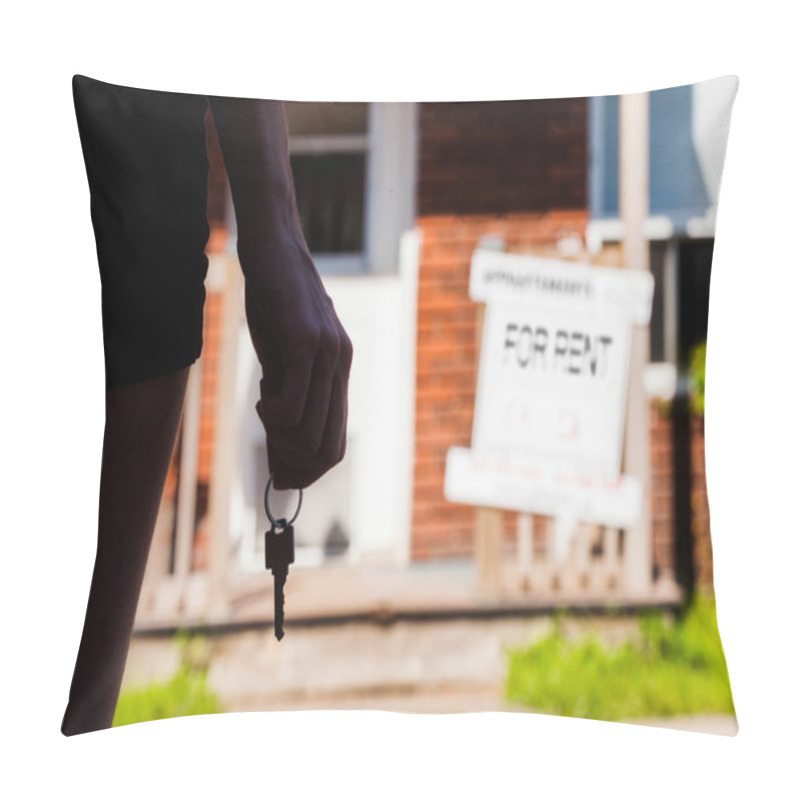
{"x": 696, "y": 515}
{"x": 502, "y": 156}
{"x": 447, "y": 359}
{"x": 663, "y": 498}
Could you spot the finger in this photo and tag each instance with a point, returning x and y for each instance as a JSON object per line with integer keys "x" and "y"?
{"x": 294, "y": 459}
{"x": 285, "y": 409}
{"x": 297, "y": 480}
{"x": 336, "y": 427}
{"x": 304, "y": 444}
{"x": 285, "y": 477}
{"x": 307, "y": 437}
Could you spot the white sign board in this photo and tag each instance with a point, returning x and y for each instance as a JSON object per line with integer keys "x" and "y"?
{"x": 552, "y": 389}
{"x": 565, "y": 286}
{"x": 553, "y": 385}
{"x": 520, "y": 484}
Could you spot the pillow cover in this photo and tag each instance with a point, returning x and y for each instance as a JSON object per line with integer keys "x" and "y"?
{"x": 521, "y": 288}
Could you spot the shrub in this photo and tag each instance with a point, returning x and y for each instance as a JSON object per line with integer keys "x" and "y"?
{"x": 697, "y": 378}
{"x": 677, "y": 668}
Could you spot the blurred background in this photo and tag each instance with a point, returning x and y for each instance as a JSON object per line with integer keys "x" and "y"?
{"x": 399, "y": 598}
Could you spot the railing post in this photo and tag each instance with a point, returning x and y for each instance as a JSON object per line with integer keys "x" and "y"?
{"x": 224, "y": 443}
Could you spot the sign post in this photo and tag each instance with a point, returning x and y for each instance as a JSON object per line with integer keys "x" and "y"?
{"x": 555, "y": 348}
{"x": 488, "y": 520}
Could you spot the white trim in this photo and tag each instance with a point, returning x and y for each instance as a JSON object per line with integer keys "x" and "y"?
{"x": 600, "y": 231}
{"x": 340, "y": 263}
{"x": 702, "y": 227}
{"x": 391, "y": 183}
{"x": 346, "y": 143}
{"x": 660, "y": 380}
{"x": 656, "y": 228}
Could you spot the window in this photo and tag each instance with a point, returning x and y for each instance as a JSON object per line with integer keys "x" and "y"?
{"x": 329, "y": 148}
{"x": 353, "y": 168}
{"x": 682, "y": 276}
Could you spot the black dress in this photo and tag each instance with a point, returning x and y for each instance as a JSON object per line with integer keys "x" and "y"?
{"x": 147, "y": 167}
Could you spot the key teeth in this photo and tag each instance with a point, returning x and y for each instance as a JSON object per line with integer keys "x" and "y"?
{"x": 280, "y": 583}
{"x": 279, "y": 629}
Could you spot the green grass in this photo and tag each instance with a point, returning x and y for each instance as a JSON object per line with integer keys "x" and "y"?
{"x": 676, "y": 668}
{"x": 186, "y": 693}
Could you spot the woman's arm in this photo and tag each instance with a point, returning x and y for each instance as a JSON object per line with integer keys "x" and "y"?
{"x": 304, "y": 351}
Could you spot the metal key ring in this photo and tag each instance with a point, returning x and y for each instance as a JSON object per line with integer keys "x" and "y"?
{"x": 266, "y": 504}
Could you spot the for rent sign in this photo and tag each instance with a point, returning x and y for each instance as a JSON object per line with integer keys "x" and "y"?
{"x": 552, "y": 388}
{"x": 553, "y": 385}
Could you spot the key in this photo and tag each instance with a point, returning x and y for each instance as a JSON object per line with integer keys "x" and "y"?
{"x": 279, "y": 554}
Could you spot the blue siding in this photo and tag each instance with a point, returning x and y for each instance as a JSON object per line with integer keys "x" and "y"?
{"x": 677, "y": 189}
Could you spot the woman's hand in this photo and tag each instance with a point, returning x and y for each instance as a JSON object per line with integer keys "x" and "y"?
{"x": 305, "y": 355}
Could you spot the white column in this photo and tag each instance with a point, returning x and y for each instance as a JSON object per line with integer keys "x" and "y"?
{"x": 634, "y": 208}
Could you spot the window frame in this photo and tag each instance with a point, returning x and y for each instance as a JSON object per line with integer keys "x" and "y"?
{"x": 389, "y": 146}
